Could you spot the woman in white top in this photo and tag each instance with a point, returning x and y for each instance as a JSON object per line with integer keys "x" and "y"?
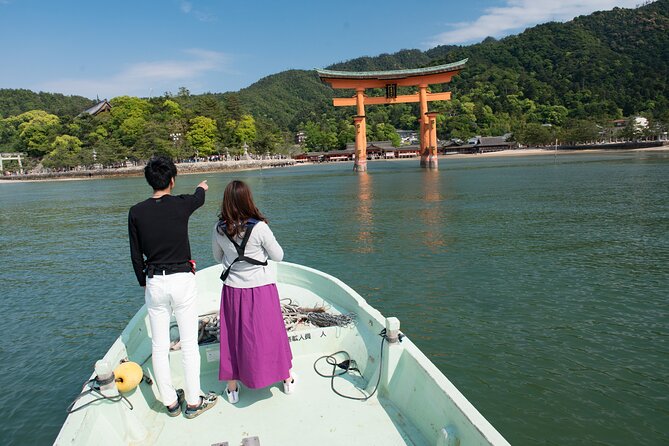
{"x": 254, "y": 342}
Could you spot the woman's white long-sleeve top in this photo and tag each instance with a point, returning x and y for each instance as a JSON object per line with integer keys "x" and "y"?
{"x": 262, "y": 245}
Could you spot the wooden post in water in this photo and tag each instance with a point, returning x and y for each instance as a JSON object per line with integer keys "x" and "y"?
{"x": 433, "y": 158}
{"x": 424, "y": 125}
{"x": 360, "y": 160}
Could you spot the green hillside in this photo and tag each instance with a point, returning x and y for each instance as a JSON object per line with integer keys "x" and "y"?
{"x": 288, "y": 97}
{"x": 602, "y": 66}
{"x": 564, "y": 81}
{"x": 16, "y": 101}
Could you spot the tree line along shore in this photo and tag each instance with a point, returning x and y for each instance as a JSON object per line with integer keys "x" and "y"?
{"x": 595, "y": 78}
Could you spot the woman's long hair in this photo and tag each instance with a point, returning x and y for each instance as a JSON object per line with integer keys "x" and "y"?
{"x": 236, "y": 209}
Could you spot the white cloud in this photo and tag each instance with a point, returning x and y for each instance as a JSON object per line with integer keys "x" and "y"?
{"x": 145, "y": 78}
{"x": 517, "y": 15}
{"x": 187, "y": 8}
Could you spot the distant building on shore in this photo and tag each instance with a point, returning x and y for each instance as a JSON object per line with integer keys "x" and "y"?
{"x": 300, "y": 138}
{"x": 408, "y": 136}
{"x": 100, "y": 107}
{"x": 483, "y": 144}
{"x": 385, "y": 149}
{"x": 375, "y": 150}
{"x": 640, "y": 123}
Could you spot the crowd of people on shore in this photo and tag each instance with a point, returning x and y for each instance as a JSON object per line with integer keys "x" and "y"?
{"x": 218, "y": 158}
{"x": 40, "y": 170}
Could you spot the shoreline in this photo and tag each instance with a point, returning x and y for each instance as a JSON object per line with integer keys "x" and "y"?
{"x": 138, "y": 171}
{"x": 231, "y": 166}
{"x": 532, "y": 152}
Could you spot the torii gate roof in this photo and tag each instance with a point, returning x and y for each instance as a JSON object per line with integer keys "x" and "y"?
{"x": 392, "y": 74}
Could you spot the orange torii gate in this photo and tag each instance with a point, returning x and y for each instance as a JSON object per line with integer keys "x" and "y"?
{"x": 390, "y": 80}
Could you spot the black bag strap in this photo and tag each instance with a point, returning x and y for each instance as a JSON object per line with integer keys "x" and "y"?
{"x": 240, "y": 251}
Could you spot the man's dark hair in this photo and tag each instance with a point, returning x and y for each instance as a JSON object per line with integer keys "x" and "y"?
{"x": 159, "y": 171}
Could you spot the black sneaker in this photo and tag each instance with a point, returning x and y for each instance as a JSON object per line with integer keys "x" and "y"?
{"x": 175, "y": 410}
{"x": 206, "y": 402}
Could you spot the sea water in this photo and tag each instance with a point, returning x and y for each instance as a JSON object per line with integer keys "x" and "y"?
{"x": 538, "y": 285}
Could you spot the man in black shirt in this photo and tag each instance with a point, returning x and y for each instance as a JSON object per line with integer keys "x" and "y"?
{"x": 161, "y": 258}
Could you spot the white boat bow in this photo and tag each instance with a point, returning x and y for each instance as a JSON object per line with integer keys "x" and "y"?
{"x": 415, "y": 404}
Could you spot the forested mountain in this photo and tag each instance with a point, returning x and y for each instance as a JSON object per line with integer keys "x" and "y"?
{"x": 563, "y": 81}
{"x": 593, "y": 65}
{"x": 288, "y": 98}
{"x": 602, "y": 66}
{"x": 16, "y": 101}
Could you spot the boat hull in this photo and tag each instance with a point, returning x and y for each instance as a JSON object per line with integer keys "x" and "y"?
{"x": 414, "y": 404}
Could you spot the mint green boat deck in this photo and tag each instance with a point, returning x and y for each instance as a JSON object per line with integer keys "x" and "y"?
{"x": 415, "y": 403}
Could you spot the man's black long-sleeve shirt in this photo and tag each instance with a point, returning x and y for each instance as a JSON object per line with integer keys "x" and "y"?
{"x": 158, "y": 230}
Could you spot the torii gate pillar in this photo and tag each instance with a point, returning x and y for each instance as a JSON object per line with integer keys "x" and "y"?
{"x": 360, "y": 161}
{"x": 424, "y": 125}
{"x": 8, "y": 157}
{"x": 432, "y": 156}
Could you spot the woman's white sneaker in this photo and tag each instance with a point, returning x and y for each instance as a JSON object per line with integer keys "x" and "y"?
{"x": 289, "y": 384}
{"x": 233, "y": 396}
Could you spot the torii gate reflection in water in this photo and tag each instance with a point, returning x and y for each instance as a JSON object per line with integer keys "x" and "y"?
{"x": 391, "y": 80}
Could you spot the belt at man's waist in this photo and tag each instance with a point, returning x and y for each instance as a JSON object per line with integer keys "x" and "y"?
{"x": 168, "y": 268}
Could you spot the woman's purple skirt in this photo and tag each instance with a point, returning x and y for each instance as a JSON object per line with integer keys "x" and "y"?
{"x": 254, "y": 342}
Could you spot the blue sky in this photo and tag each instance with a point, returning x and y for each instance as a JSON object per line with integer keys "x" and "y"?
{"x": 145, "y": 47}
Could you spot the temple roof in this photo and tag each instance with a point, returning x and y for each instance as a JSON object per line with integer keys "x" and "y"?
{"x": 100, "y": 107}
{"x": 392, "y": 74}
{"x": 373, "y": 144}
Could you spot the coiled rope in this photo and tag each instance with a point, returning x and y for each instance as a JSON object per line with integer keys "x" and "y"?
{"x": 348, "y": 365}
{"x": 92, "y": 387}
{"x": 293, "y": 315}
{"x": 209, "y": 330}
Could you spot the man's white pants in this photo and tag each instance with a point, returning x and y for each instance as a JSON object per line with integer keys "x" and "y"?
{"x": 166, "y": 294}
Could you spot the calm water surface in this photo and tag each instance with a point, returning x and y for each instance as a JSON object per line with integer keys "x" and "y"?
{"x": 539, "y": 286}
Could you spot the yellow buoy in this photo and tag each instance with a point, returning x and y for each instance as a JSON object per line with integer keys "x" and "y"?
{"x": 128, "y": 376}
